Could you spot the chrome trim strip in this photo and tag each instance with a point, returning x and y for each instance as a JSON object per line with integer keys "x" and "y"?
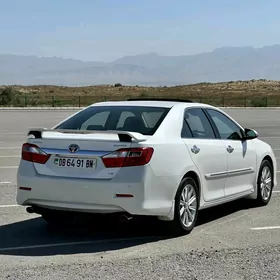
{"x": 216, "y": 175}
{"x": 79, "y": 153}
{"x": 241, "y": 171}
{"x": 236, "y": 172}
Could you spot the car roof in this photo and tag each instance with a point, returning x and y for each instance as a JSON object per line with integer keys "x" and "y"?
{"x": 152, "y": 103}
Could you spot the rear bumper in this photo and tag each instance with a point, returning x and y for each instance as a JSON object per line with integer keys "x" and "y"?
{"x": 151, "y": 195}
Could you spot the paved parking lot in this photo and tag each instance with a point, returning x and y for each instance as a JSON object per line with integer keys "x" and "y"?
{"x": 235, "y": 234}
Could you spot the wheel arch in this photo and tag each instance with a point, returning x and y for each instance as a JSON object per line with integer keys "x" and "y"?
{"x": 256, "y": 195}
{"x": 261, "y": 158}
{"x": 192, "y": 174}
{"x": 270, "y": 160}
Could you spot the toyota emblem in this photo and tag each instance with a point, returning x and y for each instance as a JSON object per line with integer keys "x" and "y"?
{"x": 73, "y": 148}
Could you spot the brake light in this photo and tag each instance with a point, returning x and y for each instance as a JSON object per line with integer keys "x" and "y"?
{"x": 128, "y": 157}
{"x": 33, "y": 153}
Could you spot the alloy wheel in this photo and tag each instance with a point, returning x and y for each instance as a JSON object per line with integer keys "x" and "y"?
{"x": 266, "y": 183}
{"x": 188, "y": 205}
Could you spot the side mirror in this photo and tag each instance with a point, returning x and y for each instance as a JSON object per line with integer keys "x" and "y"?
{"x": 250, "y": 134}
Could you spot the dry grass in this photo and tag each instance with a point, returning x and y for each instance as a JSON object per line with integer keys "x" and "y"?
{"x": 258, "y": 93}
{"x": 239, "y": 88}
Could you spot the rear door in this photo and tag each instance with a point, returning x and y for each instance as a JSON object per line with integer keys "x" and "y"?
{"x": 207, "y": 152}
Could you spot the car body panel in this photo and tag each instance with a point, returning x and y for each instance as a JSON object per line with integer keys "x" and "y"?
{"x": 152, "y": 194}
{"x": 264, "y": 150}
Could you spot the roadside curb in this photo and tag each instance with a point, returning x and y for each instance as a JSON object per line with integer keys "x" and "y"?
{"x": 80, "y": 108}
{"x": 38, "y": 108}
{"x": 264, "y": 108}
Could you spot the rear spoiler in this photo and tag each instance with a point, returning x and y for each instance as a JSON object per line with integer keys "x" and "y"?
{"x": 124, "y": 136}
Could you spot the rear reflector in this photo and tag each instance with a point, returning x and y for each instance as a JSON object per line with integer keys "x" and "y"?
{"x": 124, "y": 195}
{"x": 25, "y": 189}
{"x": 128, "y": 157}
{"x": 33, "y": 153}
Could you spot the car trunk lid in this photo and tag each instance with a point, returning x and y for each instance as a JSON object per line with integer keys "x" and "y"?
{"x": 78, "y": 153}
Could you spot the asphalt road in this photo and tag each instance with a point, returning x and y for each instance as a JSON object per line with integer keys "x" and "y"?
{"x": 233, "y": 241}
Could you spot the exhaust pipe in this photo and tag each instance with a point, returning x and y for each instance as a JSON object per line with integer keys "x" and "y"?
{"x": 125, "y": 218}
{"x": 30, "y": 210}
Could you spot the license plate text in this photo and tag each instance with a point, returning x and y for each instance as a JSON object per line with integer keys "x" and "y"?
{"x": 75, "y": 163}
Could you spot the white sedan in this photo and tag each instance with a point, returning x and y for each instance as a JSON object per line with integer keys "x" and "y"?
{"x": 161, "y": 158}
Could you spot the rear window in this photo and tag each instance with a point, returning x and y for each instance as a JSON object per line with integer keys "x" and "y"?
{"x": 142, "y": 119}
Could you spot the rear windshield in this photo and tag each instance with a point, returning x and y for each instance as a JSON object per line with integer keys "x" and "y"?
{"x": 144, "y": 120}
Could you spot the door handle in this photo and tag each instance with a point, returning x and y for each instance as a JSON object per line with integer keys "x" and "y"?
{"x": 195, "y": 149}
{"x": 230, "y": 149}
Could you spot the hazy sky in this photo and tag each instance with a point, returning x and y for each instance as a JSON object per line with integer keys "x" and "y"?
{"x": 108, "y": 29}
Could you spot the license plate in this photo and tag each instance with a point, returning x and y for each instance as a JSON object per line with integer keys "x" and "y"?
{"x": 75, "y": 162}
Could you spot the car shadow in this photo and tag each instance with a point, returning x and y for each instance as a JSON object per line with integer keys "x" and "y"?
{"x": 221, "y": 211}
{"x": 33, "y": 237}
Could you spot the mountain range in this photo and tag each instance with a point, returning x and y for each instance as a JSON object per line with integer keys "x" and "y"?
{"x": 222, "y": 64}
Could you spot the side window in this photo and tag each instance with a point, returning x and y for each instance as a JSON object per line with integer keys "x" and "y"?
{"x": 124, "y": 115}
{"x": 151, "y": 118}
{"x": 199, "y": 124}
{"x": 96, "y": 122}
{"x": 186, "y": 131}
{"x": 227, "y": 128}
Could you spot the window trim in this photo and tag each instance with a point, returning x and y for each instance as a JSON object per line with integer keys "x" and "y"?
{"x": 227, "y": 117}
{"x": 186, "y": 123}
{"x": 216, "y": 134}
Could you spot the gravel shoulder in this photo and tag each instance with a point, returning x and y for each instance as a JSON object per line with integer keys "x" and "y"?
{"x": 262, "y": 262}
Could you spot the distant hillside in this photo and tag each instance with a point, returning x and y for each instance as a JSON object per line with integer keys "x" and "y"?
{"x": 223, "y": 64}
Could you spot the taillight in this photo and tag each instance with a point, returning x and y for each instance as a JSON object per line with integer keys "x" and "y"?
{"x": 33, "y": 153}
{"x": 128, "y": 157}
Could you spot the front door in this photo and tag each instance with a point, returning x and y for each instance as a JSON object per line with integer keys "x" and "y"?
{"x": 241, "y": 156}
{"x": 208, "y": 153}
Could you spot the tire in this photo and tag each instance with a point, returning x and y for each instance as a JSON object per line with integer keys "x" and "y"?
{"x": 264, "y": 189}
{"x": 179, "y": 226}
